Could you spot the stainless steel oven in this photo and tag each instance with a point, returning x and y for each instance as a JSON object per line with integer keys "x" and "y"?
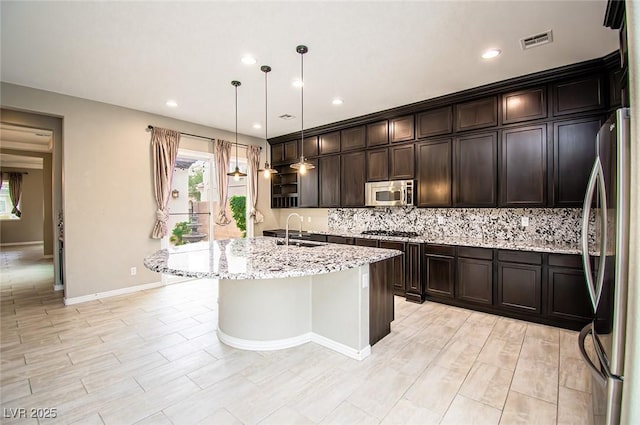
{"x": 394, "y": 193}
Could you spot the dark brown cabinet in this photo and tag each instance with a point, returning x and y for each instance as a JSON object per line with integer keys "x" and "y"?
{"x": 381, "y": 309}
{"x": 373, "y": 243}
{"x": 308, "y": 187}
{"x": 401, "y": 129}
{"x": 353, "y": 177}
{"x": 277, "y": 154}
{"x": 477, "y": 114}
{"x": 353, "y": 138}
{"x": 567, "y": 295}
{"x": 401, "y": 165}
{"x": 475, "y": 170}
{"x": 398, "y": 266}
{"x": 474, "y": 275}
{"x": 578, "y": 95}
{"x": 524, "y": 105}
{"x": 329, "y": 143}
{"x": 310, "y": 147}
{"x": 378, "y": 165}
{"x": 520, "y": 281}
{"x": 434, "y": 122}
{"x": 284, "y": 188}
{"x": 523, "y": 167}
{"x": 434, "y": 173}
{"x": 291, "y": 151}
{"x": 413, "y": 270}
{"x": 339, "y": 239}
{"x": 329, "y": 181}
{"x": 439, "y": 270}
{"x": 378, "y": 133}
{"x": 574, "y": 148}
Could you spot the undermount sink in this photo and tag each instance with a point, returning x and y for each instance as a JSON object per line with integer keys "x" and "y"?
{"x": 298, "y": 243}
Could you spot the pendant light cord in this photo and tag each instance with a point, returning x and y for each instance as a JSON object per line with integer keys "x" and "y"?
{"x": 302, "y": 106}
{"x": 236, "y": 127}
{"x": 266, "y": 105}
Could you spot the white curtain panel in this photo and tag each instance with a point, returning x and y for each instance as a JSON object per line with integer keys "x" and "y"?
{"x": 221, "y": 153}
{"x": 253, "y": 155}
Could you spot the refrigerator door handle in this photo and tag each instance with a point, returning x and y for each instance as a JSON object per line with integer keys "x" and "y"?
{"x": 603, "y": 234}
{"x": 596, "y": 371}
{"x": 586, "y": 212}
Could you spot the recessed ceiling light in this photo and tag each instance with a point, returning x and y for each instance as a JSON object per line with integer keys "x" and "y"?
{"x": 491, "y": 53}
{"x": 172, "y": 103}
{"x": 248, "y": 60}
{"x": 297, "y": 83}
{"x": 257, "y": 126}
{"x": 337, "y": 101}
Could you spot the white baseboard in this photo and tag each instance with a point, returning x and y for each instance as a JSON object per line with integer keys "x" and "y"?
{"x": 22, "y": 243}
{"x": 279, "y": 344}
{"x": 253, "y": 345}
{"x": 58, "y": 287}
{"x": 115, "y": 292}
{"x": 341, "y": 348}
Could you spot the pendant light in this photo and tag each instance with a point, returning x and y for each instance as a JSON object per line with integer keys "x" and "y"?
{"x": 236, "y": 174}
{"x": 267, "y": 170}
{"x": 302, "y": 165}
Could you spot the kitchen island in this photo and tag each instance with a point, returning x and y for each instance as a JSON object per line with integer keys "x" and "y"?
{"x": 274, "y": 296}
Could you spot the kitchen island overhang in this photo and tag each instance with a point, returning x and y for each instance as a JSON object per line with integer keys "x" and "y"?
{"x": 277, "y": 296}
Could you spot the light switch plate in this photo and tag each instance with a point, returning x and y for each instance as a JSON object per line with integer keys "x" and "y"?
{"x": 524, "y": 221}
{"x": 440, "y": 219}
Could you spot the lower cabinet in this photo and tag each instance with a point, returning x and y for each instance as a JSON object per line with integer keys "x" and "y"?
{"x": 474, "y": 275}
{"x": 439, "y": 270}
{"x": 381, "y": 310}
{"x": 398, "y": 266}
{"x": 413, "y": 270}
{"x": 519, "y": 287}
{"x": 567, "y": 294}
{"x": 339, "y": 239}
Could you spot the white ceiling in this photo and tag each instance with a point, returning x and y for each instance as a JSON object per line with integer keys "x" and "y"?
{"x": 374, "y": 55}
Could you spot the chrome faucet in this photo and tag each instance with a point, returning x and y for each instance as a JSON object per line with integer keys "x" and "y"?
{"x": 286, "y": 231}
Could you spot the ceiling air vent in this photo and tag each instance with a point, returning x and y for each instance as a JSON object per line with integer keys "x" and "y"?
{"x": 536, "y": 40}
{"x": 286, "y": 116}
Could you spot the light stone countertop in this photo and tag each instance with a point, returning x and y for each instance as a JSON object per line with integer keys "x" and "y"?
{"x": 261, "y": 258}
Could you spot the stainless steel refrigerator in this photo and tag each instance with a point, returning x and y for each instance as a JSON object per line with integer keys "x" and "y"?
{"x": 605, "y": 242}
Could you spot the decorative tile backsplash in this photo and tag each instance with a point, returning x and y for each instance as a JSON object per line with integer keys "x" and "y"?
{"x": 554, "y": 225}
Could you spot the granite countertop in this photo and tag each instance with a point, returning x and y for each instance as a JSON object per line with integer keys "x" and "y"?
{"x": 261, "y": 258}
{"x": 527, "y": 245}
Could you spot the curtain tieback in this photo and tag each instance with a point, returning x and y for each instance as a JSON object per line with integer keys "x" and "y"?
{"x": 161, "y": 215}
{"x": 256, "y": 215}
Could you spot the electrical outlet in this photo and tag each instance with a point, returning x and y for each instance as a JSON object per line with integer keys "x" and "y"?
{"x": 524, "y": 221}
{"x": 309, "y": 219}
{"x": 440, "y": 219}
{"x": 134, "y": 271}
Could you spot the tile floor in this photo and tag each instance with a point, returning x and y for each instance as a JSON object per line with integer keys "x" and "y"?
{"x": 153, "y": 358}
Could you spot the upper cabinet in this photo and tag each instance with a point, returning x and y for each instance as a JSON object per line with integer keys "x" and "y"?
{"x": 477, "y": 114}
{"x": 310, "y": 146}
{"x": 353, "y": 176}
{"x": 378, "y": 133}
{"x": 574, "y": 149}
{"x": 475, "y": 170}
{"x": 329, "y": 181}
{"x": 277, "y": 154}
{"x": 329, "y": 143}
{"x": 353, "y": 138}
{"x": 523, "y": 166}
{"x": 377, "y": 165}
{"x": 291, "y": 151}
{"x": 401, "y": 129}
{"x": 578, "y": 95}
{"x": 402, "y": 162}
{"x": 434, "y": 173}
{"x": 434, "y": 122}
{"x": 524, "y": 105}
{"x": 308, "y": 187}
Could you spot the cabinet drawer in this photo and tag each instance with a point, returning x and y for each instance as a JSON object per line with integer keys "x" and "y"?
{"x": 317, "y": 237}
{"x": 480, "y": 253}
{"x": 339, "y": 239}
{"x": 367, "y": 242}
{"x": 392, "y": 245}
{"x": 449, "y": 250}
{"x": 565, "y": 260}
{"x": 520, "y": 257}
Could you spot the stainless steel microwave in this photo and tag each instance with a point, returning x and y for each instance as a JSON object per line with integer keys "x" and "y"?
{"x": 394, "y": 193}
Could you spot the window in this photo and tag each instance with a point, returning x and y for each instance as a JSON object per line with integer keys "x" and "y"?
{"x": 5, "y": 203}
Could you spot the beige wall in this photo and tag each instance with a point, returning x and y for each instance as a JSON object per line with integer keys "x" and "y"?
{"x": 107, "y": 195}
{"x": 631, "y": 387}
{"x": 30, "y": 226}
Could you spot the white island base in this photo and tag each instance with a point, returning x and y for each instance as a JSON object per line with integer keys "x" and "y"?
{"x": 330, "y": 309}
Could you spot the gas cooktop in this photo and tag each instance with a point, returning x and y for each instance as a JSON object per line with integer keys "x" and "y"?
{"x": 396, "y": 233}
